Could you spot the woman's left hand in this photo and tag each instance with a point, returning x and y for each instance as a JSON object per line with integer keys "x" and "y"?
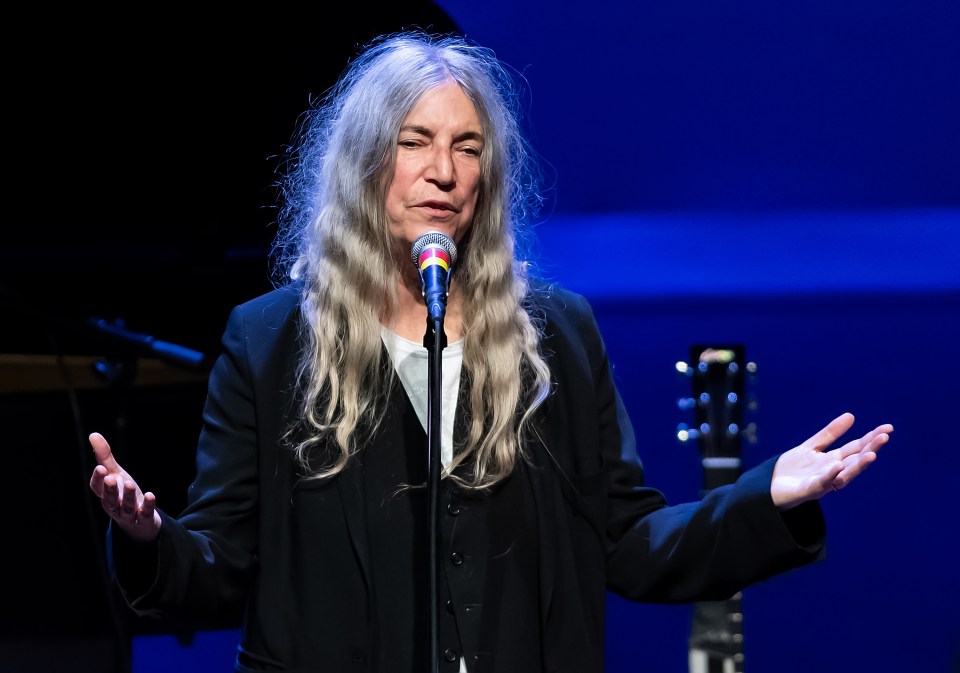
{"x": 810, "y": 471}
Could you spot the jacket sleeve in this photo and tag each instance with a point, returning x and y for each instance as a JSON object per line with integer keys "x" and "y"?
{"x": 203, "y": 560}
{"x": 657, "y": 552}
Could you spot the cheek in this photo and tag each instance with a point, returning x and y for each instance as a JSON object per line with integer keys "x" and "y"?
{"x": 472, "y": 193}
{"x": 394, "y": 198}
{"x": 399, "y": 186}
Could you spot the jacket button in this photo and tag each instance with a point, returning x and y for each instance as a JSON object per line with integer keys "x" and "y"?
{"x": 450, "y": 607}
{"x": 450, "y": 655}
{"x": 453, "y": 508}
{"x": 456, "y": 558}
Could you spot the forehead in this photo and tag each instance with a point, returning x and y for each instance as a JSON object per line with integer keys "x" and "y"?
{"x": 445, "y": 103}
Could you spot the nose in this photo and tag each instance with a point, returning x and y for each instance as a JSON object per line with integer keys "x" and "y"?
{"x": 440, "y": 168}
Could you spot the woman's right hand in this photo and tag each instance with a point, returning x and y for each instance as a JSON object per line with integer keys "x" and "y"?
{"x": 132, "y": 510}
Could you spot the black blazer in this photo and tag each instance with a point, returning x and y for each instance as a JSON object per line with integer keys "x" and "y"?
{"x": 289, "y": 558}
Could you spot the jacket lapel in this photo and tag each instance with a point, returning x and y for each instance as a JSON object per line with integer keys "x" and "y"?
{"x": 350, "y": 482}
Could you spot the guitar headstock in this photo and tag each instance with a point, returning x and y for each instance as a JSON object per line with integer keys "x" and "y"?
{"x": 719, "y": 401}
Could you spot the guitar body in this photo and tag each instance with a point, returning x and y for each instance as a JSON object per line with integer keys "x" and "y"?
{"x": 718, "y": 386}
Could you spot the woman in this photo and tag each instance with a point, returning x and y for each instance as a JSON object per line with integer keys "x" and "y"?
{"x": 307, "y": 516}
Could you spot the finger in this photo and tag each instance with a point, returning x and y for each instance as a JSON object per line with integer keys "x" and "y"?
{"x": 110, "y": 495}
{"x": 877, "y": 442}
{"x": 859, "y": 454}
{"x": 148, "y": 507}
{"x": 853, "y": 467}
{"x": 833, "y": 431}
{"x": 831, "y": 478}
{"x": 101, "y": 449}
{"x": 96, "y": 480}
{"x": 111, "y": 487}
{"x": 869, "y": 443}
{"x": 128, "y": 499}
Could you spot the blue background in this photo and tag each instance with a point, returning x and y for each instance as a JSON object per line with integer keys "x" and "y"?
{"x": 784, "y": 176}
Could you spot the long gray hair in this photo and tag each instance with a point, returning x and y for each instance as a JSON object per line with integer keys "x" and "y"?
{"x": 334, "y": 238}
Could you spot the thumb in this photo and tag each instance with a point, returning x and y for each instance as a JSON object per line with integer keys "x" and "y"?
{"x": 101, "y": 449}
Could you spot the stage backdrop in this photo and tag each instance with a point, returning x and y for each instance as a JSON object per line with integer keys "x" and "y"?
{"x": 782, "y": 176}
{"x": 785, "y": 177}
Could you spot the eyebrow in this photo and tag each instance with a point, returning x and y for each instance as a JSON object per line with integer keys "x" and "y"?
{"x": 423, "y": 130}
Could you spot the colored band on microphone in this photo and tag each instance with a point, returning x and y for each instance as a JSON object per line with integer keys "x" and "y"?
{"x": 434, "y": 255}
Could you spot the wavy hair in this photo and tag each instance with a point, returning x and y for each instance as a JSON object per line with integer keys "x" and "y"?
{"x": 333, "y": 238}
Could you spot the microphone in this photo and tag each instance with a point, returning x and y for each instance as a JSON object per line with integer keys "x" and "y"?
{"x": 434, "y": 255}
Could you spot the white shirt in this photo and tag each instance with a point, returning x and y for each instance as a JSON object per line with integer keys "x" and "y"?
{"x": 411, "y": 362}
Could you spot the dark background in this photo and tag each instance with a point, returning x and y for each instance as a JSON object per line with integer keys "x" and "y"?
{"x": 785, "y": 177}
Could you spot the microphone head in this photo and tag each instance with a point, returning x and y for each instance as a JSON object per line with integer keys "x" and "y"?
{"x": 432, "y": 248}
{"x": 434, "y": 254}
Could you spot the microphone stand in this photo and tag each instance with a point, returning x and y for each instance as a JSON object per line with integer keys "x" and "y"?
{"x": 434, "y": 254}
{"x": 435, "y": 340}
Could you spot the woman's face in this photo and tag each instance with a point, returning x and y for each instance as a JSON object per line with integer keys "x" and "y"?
{"x": 436, "y": 180}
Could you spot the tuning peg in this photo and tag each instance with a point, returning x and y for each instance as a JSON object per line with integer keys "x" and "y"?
{"x": 686, "y": 433}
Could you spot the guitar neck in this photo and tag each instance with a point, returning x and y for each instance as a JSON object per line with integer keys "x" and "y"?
{"x": 718, "y": 375}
